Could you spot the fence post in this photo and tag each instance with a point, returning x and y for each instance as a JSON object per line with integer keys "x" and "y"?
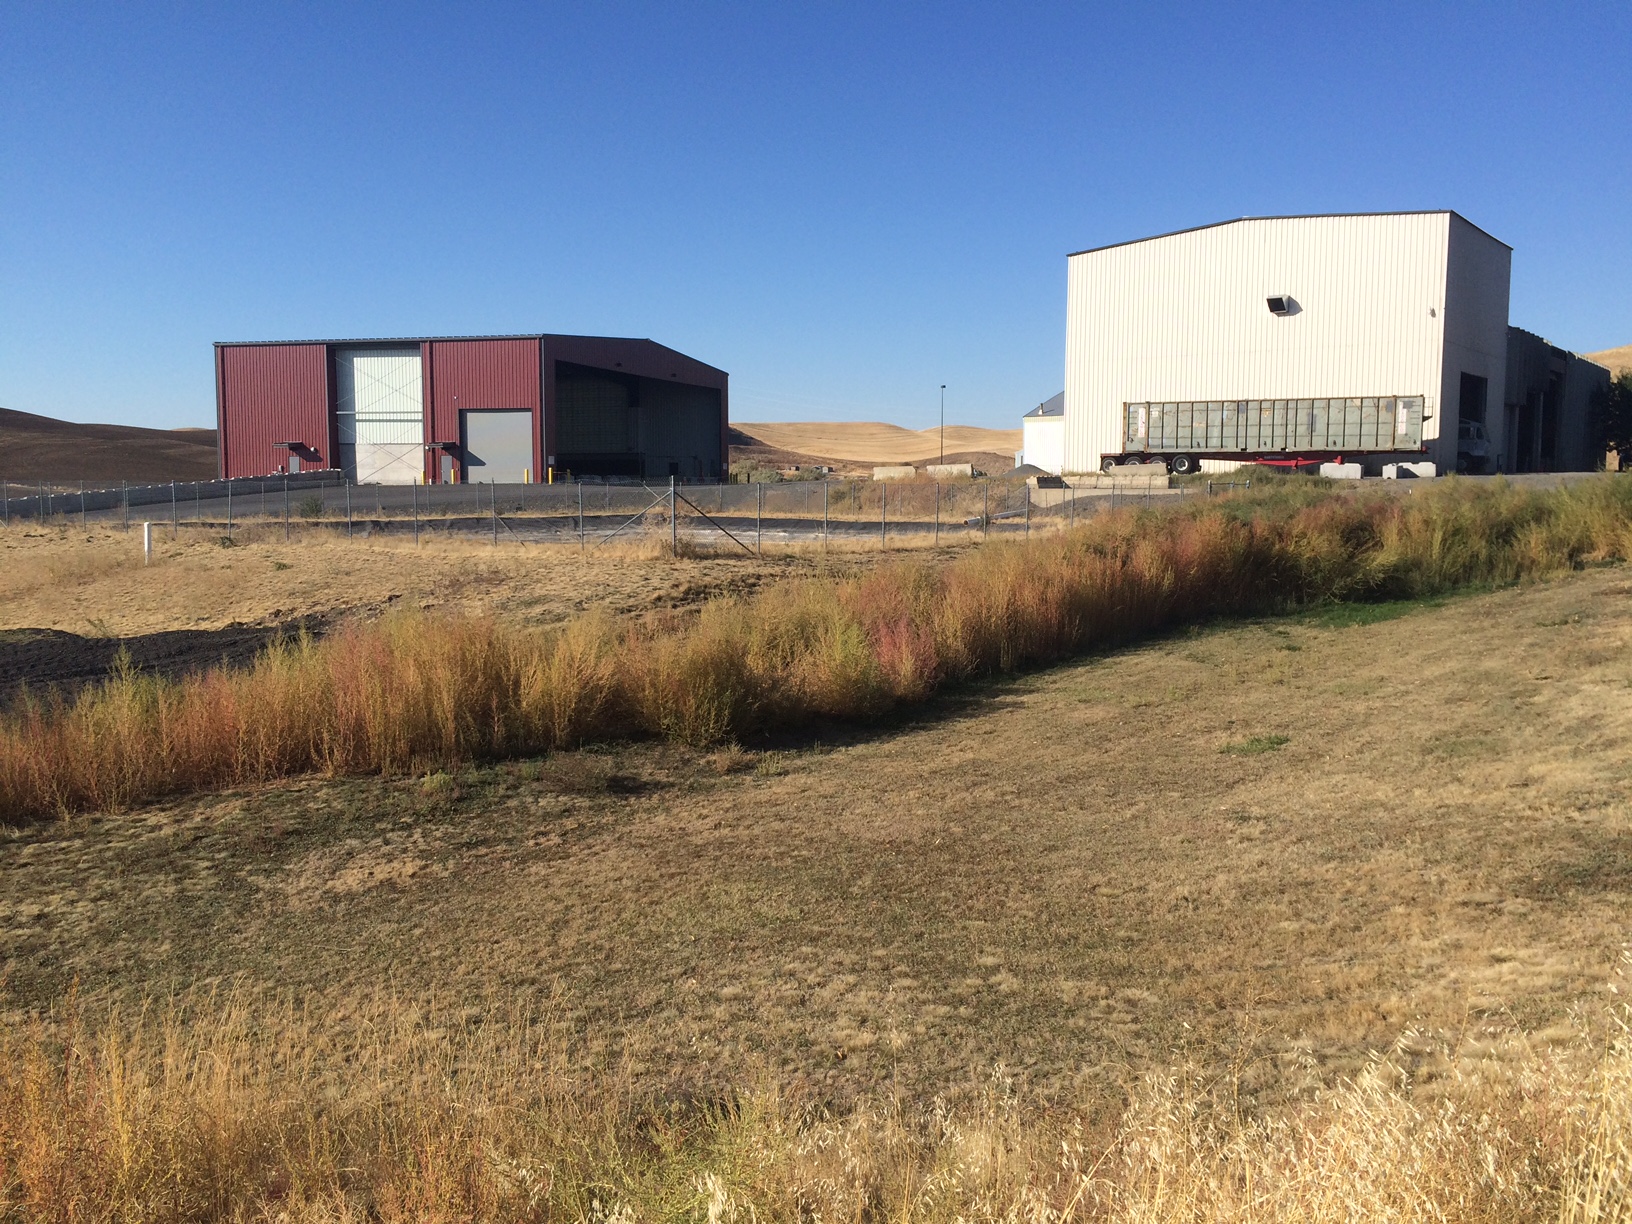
{"x": 1028, "y": 509}
{"x": 580, "y": 484}
{"x": 824, "y": 513}
{"x": 198, "y": 506}
{"x": 415, "y": 496}
{"x": 124, "y": 503}
{"x": 147, "y": 543}
{"x": 82, "y": 505}
{"x": 937, "y": 512}
{"x": 175, "y": 520}
{"x": 5, "y": 497}
{"x": 986, "y": 510}
{"x": 674, "y": 526}
{"x": 759, "y": 519}
{"x": 348, "y": 507}
{"x": 883, "y": 515}
{"x": 493, "y": 500}
{"x": 229, "y": 508}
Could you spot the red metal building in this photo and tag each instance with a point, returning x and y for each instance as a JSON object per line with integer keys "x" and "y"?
{"x": 491, "y": 408}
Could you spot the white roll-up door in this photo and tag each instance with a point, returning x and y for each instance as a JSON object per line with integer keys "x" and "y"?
{"x": 498, "y": 446}
{"x": 380, "y": 410}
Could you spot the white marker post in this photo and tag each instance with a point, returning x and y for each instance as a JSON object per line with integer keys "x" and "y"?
{"x": 147, "y": 543}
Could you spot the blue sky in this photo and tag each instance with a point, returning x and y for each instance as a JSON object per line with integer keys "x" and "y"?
{"x": 844, "y": 205}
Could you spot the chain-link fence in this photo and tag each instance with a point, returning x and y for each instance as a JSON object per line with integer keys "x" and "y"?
{"x": 732, "y": 516}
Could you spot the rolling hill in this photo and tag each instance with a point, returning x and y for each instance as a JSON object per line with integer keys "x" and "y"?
{"x": 1619, "y": 360}
{"x": 39, "y": 448}
{"x": 850, "y": 445}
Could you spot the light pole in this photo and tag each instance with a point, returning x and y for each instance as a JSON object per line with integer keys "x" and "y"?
{"x": 943, "y": 423}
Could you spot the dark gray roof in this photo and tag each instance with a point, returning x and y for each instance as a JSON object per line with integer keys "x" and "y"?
{"x": 1407, "y": 212}
{"x": 1049, "y": 407}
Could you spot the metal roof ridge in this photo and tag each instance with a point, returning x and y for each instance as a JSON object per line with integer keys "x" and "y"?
{"x": 1193, "y": 229}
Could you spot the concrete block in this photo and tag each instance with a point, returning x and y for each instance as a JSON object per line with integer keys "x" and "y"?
{"x": 1409, "y": 471}
{"x": 895, "y": 471}
{"x": 950, "y": 471}
{"x": 1342, "y": 471}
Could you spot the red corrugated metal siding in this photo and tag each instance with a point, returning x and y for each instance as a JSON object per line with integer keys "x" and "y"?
{"x": 482, "y": 374}
{"x": 268, "y": 394}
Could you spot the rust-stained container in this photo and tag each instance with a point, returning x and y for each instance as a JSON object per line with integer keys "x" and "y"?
{"x": 272, "y": 394}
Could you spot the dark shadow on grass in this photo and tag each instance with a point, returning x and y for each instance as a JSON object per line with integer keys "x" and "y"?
{"x": 967, "y": 700}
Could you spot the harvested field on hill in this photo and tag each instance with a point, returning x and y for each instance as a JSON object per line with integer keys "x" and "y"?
{"x": 1617, "y": 360}
{"x": 40, "y": 448}
{"x": 872, "y": 442}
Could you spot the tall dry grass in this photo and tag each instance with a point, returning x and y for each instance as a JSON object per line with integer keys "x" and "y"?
{"x": 415, "y": 691}
{"x": 238, "y": 1109}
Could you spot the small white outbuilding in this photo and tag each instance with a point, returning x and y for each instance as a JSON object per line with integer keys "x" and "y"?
{"x": 1042, "y": 437}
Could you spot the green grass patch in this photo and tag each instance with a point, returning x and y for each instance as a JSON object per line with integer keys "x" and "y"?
{"x": 1350, "y": 615}
{"x": 1257, "y": 745}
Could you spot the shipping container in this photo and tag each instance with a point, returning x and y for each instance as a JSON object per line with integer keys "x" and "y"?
{"x": 1185, "y": 432}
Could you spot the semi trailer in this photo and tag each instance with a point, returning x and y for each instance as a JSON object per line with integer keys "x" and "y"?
{"x": 1282, "y": 432}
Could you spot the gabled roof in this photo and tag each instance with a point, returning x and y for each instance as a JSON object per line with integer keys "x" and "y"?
{"x": 1410, "y": 212}
{"x": 1054, "y": 407}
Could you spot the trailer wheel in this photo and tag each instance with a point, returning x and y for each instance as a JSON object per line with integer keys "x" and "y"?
{"x": 1183, "y": 465}
{"x": 1134, "y": 460}
{"x": 1108, "y": 464}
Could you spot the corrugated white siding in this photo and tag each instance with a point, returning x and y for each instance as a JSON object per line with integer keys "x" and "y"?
{"x": 1184, "y": 318}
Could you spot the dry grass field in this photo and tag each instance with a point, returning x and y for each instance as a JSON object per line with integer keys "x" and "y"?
{"x": 1274, "y": 847}
{"x": 1617, "y": 360}
{"x": 873, "y": 442}
{"x": 1302, "y": 917}
{"x": 94, "y": 583}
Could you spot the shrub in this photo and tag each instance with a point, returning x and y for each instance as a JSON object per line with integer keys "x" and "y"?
{"x": 240, "y": 1108}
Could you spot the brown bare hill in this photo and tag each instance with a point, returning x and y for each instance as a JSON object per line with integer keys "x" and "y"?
{"x": 859, "y": 444}
{"x": 37, "y": 448}
{"x": 1619, "y": 360}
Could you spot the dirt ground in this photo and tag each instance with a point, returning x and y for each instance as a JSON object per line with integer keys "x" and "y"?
{"x": 94, "y": 583}
{"x": 1273, "y": 848}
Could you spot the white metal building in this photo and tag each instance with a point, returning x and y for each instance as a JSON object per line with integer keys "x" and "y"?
{"x": 1042, "y": 435}
{"x": 1369, "y": 305}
